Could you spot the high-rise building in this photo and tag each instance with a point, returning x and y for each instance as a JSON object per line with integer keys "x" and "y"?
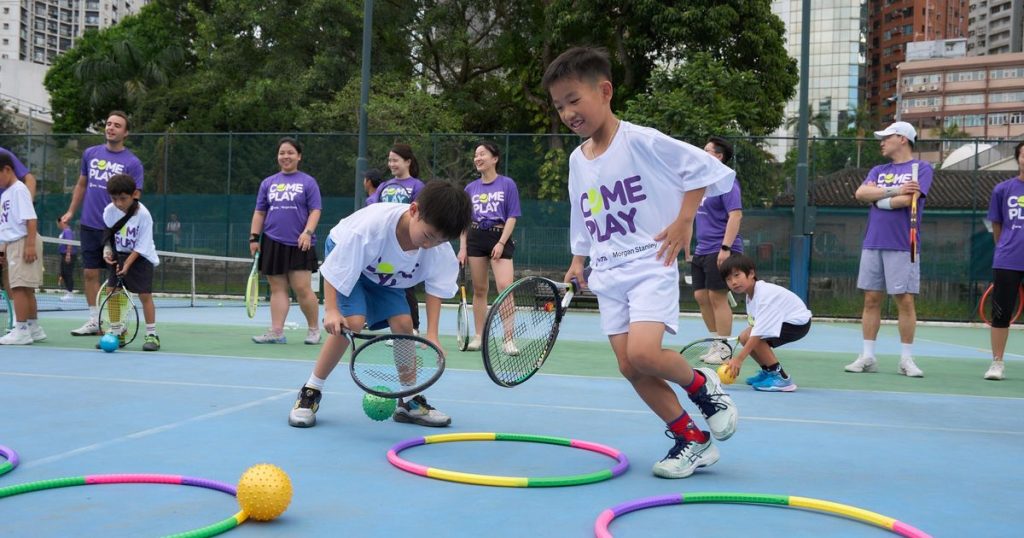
{"x": 836, "y": 61}
{"x": 38, "y": 30}
{"x": 995, "y": 27}
{"x": 894, "y": 23}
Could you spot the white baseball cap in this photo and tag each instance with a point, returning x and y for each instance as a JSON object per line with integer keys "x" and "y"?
{"x": 901, "y": 128}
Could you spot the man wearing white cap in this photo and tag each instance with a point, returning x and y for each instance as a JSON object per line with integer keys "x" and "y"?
{"x": 885, "y": 264}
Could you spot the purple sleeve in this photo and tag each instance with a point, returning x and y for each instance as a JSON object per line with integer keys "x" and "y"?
{"x": 417, "y": 186}
{"x": 995, "y": 205}
{"x": 925, "y": 172}
{"x": 137, "y": 173}
{"x": 84, "y": 169}
{"x": 262, "y": 204}
{"x": 512, "y": 209}
{"x": 732, "y": 200}
{"x": 871, "y": 177}
{"x": 313, "y": 200}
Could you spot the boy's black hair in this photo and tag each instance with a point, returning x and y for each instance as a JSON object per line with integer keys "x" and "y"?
{"x": 123, "y": 115}
{"x": 375, "y": 177}
{"x": 585, "y": 63}
{"x": 6, "y": 161}
{"x": 722, "y": 146}
{"x": 1017, "y": 149}
{"x": 445, "y": 207}
{"x": 741, "y": 262}
{"x": 121, "y": 184}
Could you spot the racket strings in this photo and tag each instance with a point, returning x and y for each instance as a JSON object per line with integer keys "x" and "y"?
{"x": 399, "y": 367}
{"x": 519, "y": 336}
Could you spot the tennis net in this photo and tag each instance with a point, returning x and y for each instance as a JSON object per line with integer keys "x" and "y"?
{"x": 180, "y": 281}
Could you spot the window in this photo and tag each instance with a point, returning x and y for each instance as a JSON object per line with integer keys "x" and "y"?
{"x": 965, "y": 99}
{"x": 1006, "y": 97}
{"x": 965, "y": 76}
{"x": 1011, "y": 72}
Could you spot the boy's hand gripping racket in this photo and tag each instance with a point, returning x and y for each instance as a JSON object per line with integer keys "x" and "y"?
{"x": 913, "y": 215}
{"x": 407, "y": 367}
{"x": 462, "y": 330}
{"x": 119, "y": 315}
{"x": 522, "y": 327}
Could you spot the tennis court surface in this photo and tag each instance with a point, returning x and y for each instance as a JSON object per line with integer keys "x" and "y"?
{"x": 940, "y": 453}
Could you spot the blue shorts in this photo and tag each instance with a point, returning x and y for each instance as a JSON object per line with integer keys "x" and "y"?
{"x": 377, "y": 303}
{"x": 92, "y": 247}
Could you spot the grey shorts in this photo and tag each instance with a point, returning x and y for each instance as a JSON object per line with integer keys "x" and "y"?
{"x": 889, "y": 271}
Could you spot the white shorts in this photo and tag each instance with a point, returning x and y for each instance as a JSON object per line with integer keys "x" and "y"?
{"x": 889, "y": 271}
{"x": 639, "y": 290}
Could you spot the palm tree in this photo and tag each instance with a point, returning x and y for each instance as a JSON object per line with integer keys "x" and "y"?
{"x": 127, "y": 74}
{"x": 819, "y": 121}
{"x": 860, "y": 120}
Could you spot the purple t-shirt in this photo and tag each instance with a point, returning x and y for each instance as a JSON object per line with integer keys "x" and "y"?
{"x": 494, "y": 202}
{"x": 66, "y": 234}
{"x": 712, "y": 216}
{"x": 1007, "y": 208}
{"x": 19, "y": 169}
{"x": 287, "y": 199}
{"x": 399, "y": 191}
{"x": 890, "y": 229}
{"x": 99, "y": 165}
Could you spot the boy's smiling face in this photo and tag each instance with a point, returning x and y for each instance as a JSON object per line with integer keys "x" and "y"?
{"x": 583, "y": 106}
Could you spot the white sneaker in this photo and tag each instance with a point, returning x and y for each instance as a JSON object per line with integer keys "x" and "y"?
{"x": 91, "y": 328}
{"x": 68, "y": 297}
{"x": 17, "y": 338}
{"x": 862, "y": 365}
{"x": 995, "y": 371}
{"x": 717, "y": 353}
{"x": 510, "y": 348}
{"x": 474, "y": 344}
{"x": 312, "y": 337}
{"x": 686, "y": 457}
{"x": 38, "y": 335}
{"x": 717, "y": 407}
{"x": 418, "y": 411}
{"x": 909, "y": 369}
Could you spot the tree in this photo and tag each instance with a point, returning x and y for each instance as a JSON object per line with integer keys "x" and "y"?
{"x": 8, "y": 123}
{"x": 820, "y": 122}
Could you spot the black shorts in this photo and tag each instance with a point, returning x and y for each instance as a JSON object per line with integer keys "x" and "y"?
{"x": 92, "y": 247}
{"x": 138, "y": 279}
{"x": 704, "y": 268}
{"x": 1005, "y": 289}
{"x": 479, "y": 243}
{"x": 789, "y": 333}
{"x": 281, "y": 259}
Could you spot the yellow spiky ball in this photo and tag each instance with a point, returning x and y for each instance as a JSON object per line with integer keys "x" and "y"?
{"x": 264, "y": 491}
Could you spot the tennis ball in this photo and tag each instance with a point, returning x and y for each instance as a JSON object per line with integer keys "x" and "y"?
{"x": 109, "y": 343}
{"x": 725, "y": 374}
{"x": 379, "y": 408}
{"x": 549, "y": 306}
{"x": 264, "y": 491}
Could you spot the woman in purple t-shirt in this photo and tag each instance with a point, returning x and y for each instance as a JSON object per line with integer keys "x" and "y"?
{"x": 1006, "y": 211}
{"x": 495, "y": 200}
{"x": 283, "y": 231}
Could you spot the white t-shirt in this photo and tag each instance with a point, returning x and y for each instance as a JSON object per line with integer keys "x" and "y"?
{"x": 771, "y": 306}
{"x": 366, "y": 244}
{"x": 137, "y": 233}
{"x": 15, "y": 208}
{"x": 623, "y": 198}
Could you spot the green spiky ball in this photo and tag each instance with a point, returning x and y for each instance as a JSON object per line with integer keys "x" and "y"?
{"x": 378, "y": 408}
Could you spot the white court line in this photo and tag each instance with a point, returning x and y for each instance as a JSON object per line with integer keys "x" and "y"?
{"x": 286, "y": 392}
{"x": 151, "y": 431}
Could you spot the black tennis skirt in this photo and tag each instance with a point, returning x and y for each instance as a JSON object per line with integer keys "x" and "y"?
{"x": 281, "y": 259}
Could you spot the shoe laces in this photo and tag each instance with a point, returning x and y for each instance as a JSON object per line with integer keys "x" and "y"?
{"x": 421, "y": 401}
{"x": 152, "y": 339}
{"x": 708, "y": 403}
{"x": 308, "y": 397}
{"x": 680, "y": 444}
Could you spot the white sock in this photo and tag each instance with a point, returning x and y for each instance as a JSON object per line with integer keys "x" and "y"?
{"x": 21, "y": 326}
{"x": 315, "y": 382}
{"x": 32, "y": 323}
{"x": 907, "y": 351}
{"x": 150, "y": 329}
{"x": 869, "y": 349}
{"x": 94, "y": 313}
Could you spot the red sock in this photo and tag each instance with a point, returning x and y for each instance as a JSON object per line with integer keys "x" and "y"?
{"x": 696, "y": 384}
{"x": 685, "y": 428}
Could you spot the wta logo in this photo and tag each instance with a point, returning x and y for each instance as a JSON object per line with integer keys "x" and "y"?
{"x": 609, "y": 211}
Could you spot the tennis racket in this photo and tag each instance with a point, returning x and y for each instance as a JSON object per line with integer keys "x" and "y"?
{"x": 697, "y": 352}
{"x": 913, "y": 215}
{"x": 985, "y": 305}
{"x": 462, "y": 330}
{"x": 522, "y": 326}
{"x": 407, "y": 367}
{"x": 6, "y": 310}
{"x": 252, "y": 287}
{"x": 119, "y": 315}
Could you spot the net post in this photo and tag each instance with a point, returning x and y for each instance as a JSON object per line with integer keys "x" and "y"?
{"x": 192, "y": 284}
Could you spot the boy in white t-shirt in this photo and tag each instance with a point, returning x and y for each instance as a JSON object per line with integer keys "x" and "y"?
{"x": 777, "y": 317}
{"x": 136, "y": 255}
{"x": 373, "y": 256}
{"x": 23, "y": 249}
{"x": 634, "y": 193}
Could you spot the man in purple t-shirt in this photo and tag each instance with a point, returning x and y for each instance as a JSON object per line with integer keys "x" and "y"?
{"x": 99, "y": 163}
{"x": 885, "y": 265}
{"x": 1006, "y": 212}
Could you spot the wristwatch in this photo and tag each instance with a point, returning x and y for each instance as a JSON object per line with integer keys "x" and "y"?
{"x": 727, "y": 248}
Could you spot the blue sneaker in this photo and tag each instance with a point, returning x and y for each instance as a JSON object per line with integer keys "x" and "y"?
{"x": 774, "y": 382}
{"x": 760, "y": 376}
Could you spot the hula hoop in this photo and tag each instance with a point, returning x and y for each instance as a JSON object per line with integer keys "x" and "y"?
{"x": 984, "y": 297}
{"x": 508, "y": 481}
{"x": 91, "y": 480}
{"x": 828, "y": 507}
